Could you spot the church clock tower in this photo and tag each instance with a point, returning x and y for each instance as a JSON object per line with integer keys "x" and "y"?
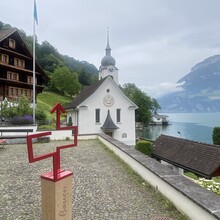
{"x": 108, "y": 67}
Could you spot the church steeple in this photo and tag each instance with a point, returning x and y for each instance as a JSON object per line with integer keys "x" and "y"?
{"x": 108, "y": 67}
{"x": 108, "y": 60}
{"x": 108, "y": 48}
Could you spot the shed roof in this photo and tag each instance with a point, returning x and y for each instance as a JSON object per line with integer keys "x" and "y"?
{"x": 200, "y": 158}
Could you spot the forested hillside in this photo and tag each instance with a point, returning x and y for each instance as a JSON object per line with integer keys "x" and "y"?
{"x": 80, "y": 73}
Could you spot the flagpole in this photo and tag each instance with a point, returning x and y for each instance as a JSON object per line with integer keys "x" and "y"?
{"x": 34, "y": 84}
{"x": 34, "y": 71}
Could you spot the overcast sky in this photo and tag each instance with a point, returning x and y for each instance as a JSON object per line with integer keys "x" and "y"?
{"x": 154, "y": 42}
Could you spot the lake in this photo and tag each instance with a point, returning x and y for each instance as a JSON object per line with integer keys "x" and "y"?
{"x": 191, "y": 126}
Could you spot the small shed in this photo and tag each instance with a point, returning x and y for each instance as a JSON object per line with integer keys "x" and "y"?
{"x": 159, "y": 119}
{"x": 200, "y": 158}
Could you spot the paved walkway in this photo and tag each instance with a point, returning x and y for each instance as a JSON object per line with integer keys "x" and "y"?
{"x": 104, "y": 188}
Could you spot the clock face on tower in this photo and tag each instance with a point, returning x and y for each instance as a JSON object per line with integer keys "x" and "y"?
{"x": 108, "y": 100}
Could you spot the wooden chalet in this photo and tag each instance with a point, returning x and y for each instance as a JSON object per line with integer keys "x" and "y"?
{"x": 199, "y": 158}
{"x": 16, "y": 68}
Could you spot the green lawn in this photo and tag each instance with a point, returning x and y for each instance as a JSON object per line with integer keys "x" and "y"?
{"x": 47, "y": 100}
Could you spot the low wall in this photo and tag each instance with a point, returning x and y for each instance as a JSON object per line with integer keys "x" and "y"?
{"x": 191, "y": 199}
{"x": 55, "y": 134}
{"x": 20, "y": 140}
{"x": 59, "y": 134}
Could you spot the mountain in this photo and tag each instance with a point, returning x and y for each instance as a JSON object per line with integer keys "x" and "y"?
{"x": 200, "y": 89}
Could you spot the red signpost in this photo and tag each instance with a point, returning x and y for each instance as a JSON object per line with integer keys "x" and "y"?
{"x": 56, "y": 185}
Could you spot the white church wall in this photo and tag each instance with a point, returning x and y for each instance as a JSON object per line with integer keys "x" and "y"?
{"x": 126, "y": 131}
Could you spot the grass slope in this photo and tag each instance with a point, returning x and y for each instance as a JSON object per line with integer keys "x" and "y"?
{"x": 47, "y": 100}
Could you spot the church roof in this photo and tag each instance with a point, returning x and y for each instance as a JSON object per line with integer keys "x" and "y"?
{"x": 200, "y": 158}
{"x": 85, "y": 93}
{"x": 89, "y": 90}
{"x": 109, "y": 125}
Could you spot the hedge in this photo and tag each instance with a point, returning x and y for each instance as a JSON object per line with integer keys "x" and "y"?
{"x": 144, "y": 147}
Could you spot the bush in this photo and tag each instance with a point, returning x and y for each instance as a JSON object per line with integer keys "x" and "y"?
{"x": 70, "y": 121}
{"x": 216, "y": 135}
{"x": 41, "y": 115}
{"x": 144, "y": 147}
{"x": 22, "y": 120}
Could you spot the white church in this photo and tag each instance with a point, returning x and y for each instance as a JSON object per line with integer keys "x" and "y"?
{"x": 103, "y": 107}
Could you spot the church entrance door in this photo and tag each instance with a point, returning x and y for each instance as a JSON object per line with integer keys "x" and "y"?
{"x": 109, "y": 133}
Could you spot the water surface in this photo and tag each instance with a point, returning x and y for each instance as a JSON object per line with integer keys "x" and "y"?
{"x": 191, "y": 126}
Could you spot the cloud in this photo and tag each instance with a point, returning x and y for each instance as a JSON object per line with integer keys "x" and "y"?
{"x": 152, "y": 41}
{"x": 163, "y": 89}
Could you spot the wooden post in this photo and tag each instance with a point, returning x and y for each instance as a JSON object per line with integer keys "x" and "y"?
{"x": 57, "y": 196}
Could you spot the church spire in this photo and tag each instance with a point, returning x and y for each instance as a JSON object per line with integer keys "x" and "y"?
{"x": 108, "y": 49}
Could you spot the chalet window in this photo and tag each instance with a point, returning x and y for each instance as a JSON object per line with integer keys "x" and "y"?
{"x": 13, "y": 76}
{"x": 18, "y": 92}
{"x": 4, "y": 58}
{"x": 19, "y": 63}
{"x": 29, "y": 93}
{"x": 97, "y": 115}
{"x": 30, "y": 80}
{"x": 12, "y": 43}
{"x": 22, "y": 63}
{"x": 16, "y": 62}
{"x": 118, "y": 115}
{"x": 11, "y": 91}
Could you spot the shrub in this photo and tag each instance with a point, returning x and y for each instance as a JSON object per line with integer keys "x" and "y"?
{"x": 145, "y": 147}
{"x": 22, "y": 120}
{"x": 216, "y": 135}
{"x": 70, "y": 122}
{"x": 41, "y": 115}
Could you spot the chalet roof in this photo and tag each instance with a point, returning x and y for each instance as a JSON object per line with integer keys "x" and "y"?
{"x": 5, "y": 33}
{"x": 85, "y": 93}
{"x": 109, "y": 125}
{"x": 199, "y": 158}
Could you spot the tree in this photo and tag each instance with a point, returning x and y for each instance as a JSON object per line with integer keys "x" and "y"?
{"x": 64, "y": 81}
{"x": 143, "y": 101}
{"x": 23, "y": 107}
{"x": 155, "y": 106}
{"x": 216, "y": 135}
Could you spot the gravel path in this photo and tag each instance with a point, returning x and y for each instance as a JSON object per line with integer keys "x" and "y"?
{"x": 104, "y": 187}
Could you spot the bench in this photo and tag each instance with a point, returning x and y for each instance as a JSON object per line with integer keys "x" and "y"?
{"x": 13, "y": 136}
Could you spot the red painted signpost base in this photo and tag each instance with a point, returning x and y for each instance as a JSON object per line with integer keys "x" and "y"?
{"x": 57, "y": 196}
